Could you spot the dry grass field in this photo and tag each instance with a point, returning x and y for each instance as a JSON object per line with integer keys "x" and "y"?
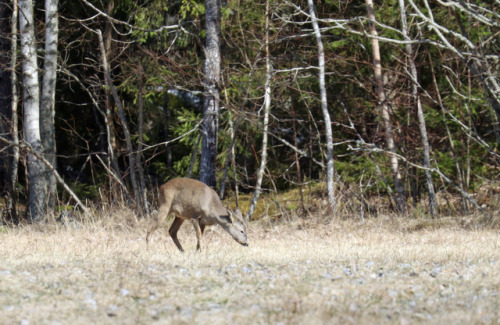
{"x": 378, "y": 271}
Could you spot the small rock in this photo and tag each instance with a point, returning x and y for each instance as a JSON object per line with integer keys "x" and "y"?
{"x": 246, "y": 269}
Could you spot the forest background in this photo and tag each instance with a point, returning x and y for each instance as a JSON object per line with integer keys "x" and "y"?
{"x": 343, "y": 108}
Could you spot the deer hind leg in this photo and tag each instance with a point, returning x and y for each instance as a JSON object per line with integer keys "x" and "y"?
{"x": 174, "y": 228}
{"x": 198, "y": 228}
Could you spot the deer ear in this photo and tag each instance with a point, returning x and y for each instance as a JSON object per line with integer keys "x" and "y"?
{"x": 230, "y": 215}
{"x": 227, "y": 218}
{"x": 240, "y": 215}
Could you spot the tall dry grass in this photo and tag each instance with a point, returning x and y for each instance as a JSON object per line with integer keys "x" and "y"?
{"x": 313, "y": 271}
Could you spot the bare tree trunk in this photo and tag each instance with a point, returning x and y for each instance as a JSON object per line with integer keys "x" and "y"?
{"x": 5, "y": 96}
{"x": 267, "y": 108}
{"x": 450, "y": 139}
{"x": 297, "y": 160}
{"x": 233, "y": 127}
{"x": 212, "y": 97}
{"x": 420, "y": 113}
{"x": 109, "y": 119}
{"x": 389, "y": 132}
{"x": 330, "y": 167}
{"x": 47, "y": 104}
{"x": 142, "y": 184}
{"x": 236, "y": 181}
{"x": 193, "y": 156}
{"x": 9, "y": 157}
{"x": 31, "y": 97}
{"x": 111, "y": 141}
{"x": 233, "y": 164}
{"x": 123, "y": 120}
{"x": 166, "y": 124}
{"x": 15, "y": 115}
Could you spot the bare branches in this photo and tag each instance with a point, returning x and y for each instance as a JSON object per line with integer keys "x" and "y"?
{"x": 126, "y": 92}
{"x": 370, "y": 147}
{"x": 26, "y": 147}
{"x": 124, "y": 23}
{"x": 477, "y": 12}
{"x": 355, "y": 26}
{"x": 165, "y": 143}
{"x": 123, "y": 120}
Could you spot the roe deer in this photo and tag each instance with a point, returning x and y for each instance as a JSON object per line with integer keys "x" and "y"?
{"x": 189, "y": 199}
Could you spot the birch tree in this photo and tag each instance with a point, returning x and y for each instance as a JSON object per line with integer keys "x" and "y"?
{"x": 267, "y": 109}
{"x": 47, "y": 104}
{"x": 211, "y": 98}
{"x": 420, "y": 114}
{"x": 384, "y": 106}
{"x": 330, "y": 168}
{"x": 31, "y": 102}
{"x": 39, "y": 109}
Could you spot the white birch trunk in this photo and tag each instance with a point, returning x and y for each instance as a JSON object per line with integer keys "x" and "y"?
{"x": 47, "y": 105}
{"x": 31, "y": 97}
{"x": 420, "y": 113}
{"x": 389, "y": 132}
{"x": 267, "y": 109}
{"x": 330, "y": 168}
{"x": 211, "y": 99}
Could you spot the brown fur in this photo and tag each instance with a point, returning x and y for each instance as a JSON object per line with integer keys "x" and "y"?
{"x": 192, "y": 200}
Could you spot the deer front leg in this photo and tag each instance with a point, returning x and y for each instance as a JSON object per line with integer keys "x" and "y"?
{"x": 151, "y": 230}
{"x": 162, "y": 214}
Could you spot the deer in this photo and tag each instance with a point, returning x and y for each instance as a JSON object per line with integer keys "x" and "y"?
{"x": 189, "y": 199}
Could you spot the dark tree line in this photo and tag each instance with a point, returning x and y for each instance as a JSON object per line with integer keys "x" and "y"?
{"x": 105, "y": 100}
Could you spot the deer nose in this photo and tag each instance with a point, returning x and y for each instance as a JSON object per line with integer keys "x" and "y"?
{"x": 245, "y": 244}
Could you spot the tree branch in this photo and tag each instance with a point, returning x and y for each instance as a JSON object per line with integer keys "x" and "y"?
{"x": 58, "y": 177}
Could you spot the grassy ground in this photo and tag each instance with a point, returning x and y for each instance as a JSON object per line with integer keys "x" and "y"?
{"x": 345, "y": 272}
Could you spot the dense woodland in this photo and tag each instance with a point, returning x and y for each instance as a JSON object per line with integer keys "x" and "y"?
{"x": 362, "y": 103}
